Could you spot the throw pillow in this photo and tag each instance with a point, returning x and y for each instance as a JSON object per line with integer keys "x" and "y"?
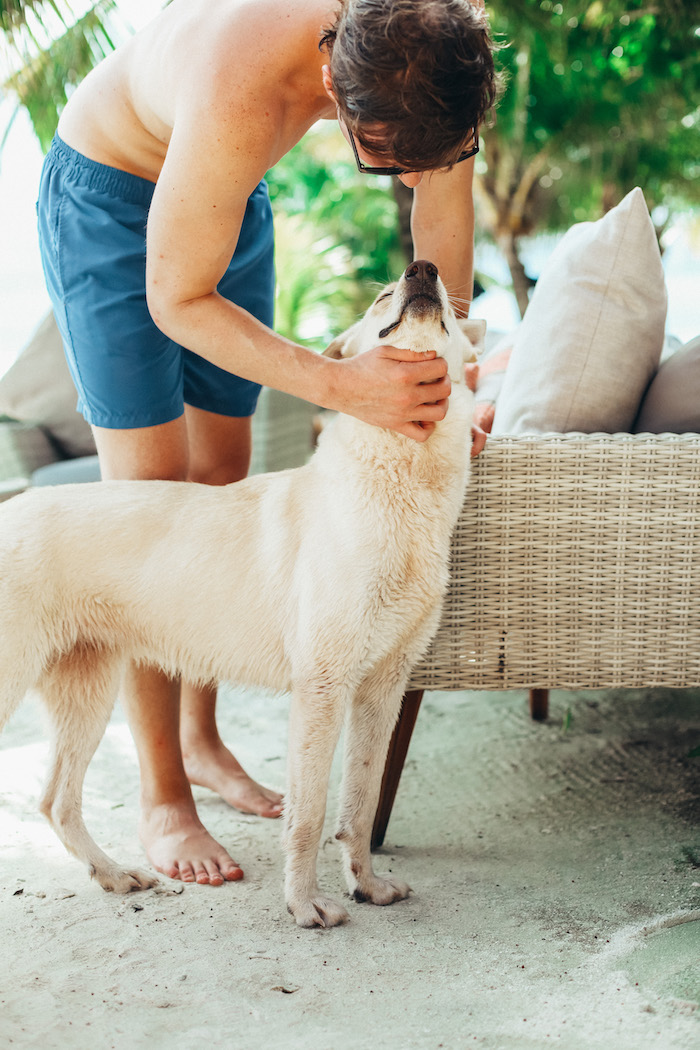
{"x": 593, "y": 332}
{"x": 38, "y": 389}
{"x": 671, "y": 405}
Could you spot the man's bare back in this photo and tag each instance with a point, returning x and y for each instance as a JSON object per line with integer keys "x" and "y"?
{"x": 252, "y": 61}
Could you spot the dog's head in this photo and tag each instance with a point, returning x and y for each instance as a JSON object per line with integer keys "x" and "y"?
{"x": 415, "y": 314}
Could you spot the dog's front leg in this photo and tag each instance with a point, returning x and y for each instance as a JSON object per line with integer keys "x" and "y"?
{"x": 316, "y": 716}
{"x": 371, "y": 721}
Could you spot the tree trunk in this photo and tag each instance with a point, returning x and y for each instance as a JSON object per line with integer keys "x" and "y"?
{"x": 521, "y": 282}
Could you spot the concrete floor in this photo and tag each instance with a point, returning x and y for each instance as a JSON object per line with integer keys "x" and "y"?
{"x": 556, "y": 877}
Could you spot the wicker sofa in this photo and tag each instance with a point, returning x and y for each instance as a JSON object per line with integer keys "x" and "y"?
{"x": 575, "y": 565}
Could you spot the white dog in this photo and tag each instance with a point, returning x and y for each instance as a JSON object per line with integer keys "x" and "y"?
{"x": 326, "y": 581}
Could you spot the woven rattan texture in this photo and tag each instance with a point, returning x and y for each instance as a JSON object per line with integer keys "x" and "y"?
{"x": 575, "y": 564}
{"x": 282, "y": 432}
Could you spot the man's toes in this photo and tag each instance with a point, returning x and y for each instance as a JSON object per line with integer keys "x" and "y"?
{"x": 230, "y": 871}
{"x": 262, "y": 802}
{"x": 208, "y": 873}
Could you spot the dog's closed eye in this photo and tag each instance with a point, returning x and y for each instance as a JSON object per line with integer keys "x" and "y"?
{"x": 386, "y": 294}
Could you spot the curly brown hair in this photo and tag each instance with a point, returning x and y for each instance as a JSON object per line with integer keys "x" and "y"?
{"x": 412, "y": 78}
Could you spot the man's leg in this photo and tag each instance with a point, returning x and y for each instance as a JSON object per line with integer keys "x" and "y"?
{"x": 219, "y": 454}
{"x": 176, "y": 841}
{"x": 129, "y": 374}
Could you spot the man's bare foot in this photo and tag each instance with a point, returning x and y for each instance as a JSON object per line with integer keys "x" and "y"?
{"x": 178, "y": 845}
{"x": 214, "y": 767}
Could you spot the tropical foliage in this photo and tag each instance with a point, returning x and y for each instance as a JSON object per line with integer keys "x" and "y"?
{"x": 48, "y": 47}
{"x": 337, "y": 237}
{"x": 601, "y": 96}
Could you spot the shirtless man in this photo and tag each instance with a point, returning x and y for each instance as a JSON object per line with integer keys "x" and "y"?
{"x": 178, "y": 127}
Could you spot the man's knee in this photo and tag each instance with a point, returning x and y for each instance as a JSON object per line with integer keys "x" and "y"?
{"x": 220, "y": 465}
{"x": 224, "y": 473}
{"x": 220, "y": 447}
{"x": 157, "y": 453}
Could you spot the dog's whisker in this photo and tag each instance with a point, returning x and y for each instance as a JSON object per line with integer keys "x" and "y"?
{"x": 459, "y": 300}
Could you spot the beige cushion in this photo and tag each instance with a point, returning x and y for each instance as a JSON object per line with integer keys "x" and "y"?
{"x": 672, "y": 402}
{"x": 592, "y": 335}
{"x": 38, "y": 389}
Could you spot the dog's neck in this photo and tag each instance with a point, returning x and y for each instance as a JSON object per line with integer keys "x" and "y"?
{"x": 414, "y": 336}
{"x": 434, "y": 462}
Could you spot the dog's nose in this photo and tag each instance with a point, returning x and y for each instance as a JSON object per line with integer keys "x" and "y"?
{"x": 421, "y": 273}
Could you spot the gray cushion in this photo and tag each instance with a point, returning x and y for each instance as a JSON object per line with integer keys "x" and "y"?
{"x": 671, "y": 405}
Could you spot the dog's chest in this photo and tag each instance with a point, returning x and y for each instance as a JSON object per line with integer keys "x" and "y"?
{"x": 398, "y": 539}
{"x": 390, "y": 506}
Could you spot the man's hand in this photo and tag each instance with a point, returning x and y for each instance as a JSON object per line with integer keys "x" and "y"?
{"x": 397, "y": 389}
{"x": 478, "y": 439}
{"x": 471, "y": 374}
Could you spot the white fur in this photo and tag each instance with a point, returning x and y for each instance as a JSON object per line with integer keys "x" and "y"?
{"x": 326, "y": 581}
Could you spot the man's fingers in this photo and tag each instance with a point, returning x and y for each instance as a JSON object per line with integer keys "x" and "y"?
{"x": 398, "y": 353}
{"x": 399, "y": 389}
{"x": 471, "y": 375}
{"x": 478, "y": 440}
{"x": 425, "y": 367}
{"x": 435, "y": 393}
{"x": 417, "y": 431}
{"x": 432, "y": 411}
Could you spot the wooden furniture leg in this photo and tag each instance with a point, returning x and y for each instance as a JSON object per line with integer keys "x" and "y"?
{"x": 396, "y": 756}
{"x": 539, "y": 704}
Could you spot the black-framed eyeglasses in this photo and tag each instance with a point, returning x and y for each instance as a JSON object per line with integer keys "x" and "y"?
{"x": 366, "y": 169}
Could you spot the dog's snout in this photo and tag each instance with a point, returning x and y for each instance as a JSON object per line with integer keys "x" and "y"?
{"x": 422, "y": 272}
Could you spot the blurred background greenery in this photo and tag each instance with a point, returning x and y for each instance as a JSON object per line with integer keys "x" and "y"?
{"x": 600, "y": 96}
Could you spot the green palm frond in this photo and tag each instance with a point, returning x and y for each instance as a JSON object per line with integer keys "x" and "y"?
{"x": 13, "y": 13}
{"x": 31, "y": 20}
{"x": 50, "y": 51}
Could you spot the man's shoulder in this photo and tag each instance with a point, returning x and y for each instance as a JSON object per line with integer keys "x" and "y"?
{"x": 243, "y": 44}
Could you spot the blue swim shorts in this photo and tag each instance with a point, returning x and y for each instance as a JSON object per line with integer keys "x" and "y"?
{"x": 92, "y": 235}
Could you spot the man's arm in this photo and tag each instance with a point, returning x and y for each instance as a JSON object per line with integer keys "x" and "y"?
{"x": 217, "y": 151}
{"x": 442, "y": 224}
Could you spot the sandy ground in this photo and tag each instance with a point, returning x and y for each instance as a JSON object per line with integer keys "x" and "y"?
{"x": 556, "y": 876}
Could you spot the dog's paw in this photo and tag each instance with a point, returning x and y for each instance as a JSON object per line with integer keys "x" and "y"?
{"x": 318, "y": 911}
{"x": 116, "y": 880}
{"x": 380, "y": 891}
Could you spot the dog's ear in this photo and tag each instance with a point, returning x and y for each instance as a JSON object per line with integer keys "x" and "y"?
{"x": 475, "y": 331}
{"x": 341, "y": 346}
